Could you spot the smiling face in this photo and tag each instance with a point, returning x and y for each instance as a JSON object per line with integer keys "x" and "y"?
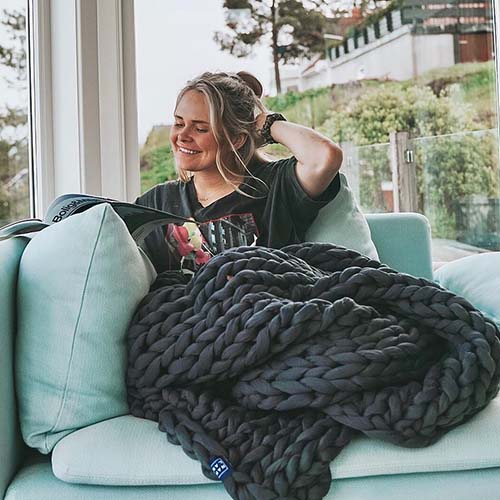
{"x": 191, "y": 137}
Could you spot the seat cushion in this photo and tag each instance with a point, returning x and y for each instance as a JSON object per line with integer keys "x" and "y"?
{"x": 80, "y": 281}
{"x": 37, "y": 482}
{"x": 341, "y": 222}
{"x": 477, "y": 278}
{"x": 132, "y": 451}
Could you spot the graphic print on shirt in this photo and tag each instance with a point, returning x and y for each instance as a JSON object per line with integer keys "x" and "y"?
{"x": 193, "y": 244}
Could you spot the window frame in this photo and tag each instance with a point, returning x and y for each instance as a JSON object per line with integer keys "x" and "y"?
{"x": 496, "y": 42}
{"x": 83, "y": 109}
{"x": 83, "y": 100}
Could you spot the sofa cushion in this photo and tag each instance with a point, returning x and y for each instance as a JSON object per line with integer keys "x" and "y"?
{"x": 342, "y": 222}
{"x": 477, "y": 278}
{"x": 80, "y": 281}
{"x": 37, "y": 482}
{"x": 132, "y": 451}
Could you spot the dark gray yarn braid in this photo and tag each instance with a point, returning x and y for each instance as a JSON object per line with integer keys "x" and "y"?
{"x": 272, "y": 359}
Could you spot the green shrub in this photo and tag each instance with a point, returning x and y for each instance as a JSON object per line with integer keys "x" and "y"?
{"x": 374, "y": 168}
{"x": 157, "y": 166}
{"x": 454, "y": 168}
{"x": 388, "y": 108}
{"x": 283, "y": 102}
{"x": 310, "y": 108}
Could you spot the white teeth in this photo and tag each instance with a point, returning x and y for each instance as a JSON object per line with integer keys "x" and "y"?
{"x": 188, "y": 151}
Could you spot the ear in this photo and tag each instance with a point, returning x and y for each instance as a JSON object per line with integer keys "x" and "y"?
{"x": 239, "y": 141}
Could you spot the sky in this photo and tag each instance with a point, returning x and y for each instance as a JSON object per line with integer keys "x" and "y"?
{"x": 174, "y": 43}
{"x": 9, "y": 95}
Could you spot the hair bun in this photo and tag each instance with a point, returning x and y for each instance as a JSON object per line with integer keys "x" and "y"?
{"x": 252, "y": 82}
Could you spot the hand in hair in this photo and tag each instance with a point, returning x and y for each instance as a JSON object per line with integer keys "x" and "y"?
{"x": 259, "y": 123}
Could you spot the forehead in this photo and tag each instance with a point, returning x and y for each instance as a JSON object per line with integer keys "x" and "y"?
{"x": 193, "y": 106}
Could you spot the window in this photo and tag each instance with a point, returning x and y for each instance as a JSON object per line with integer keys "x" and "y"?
{"x": 15, "y": 201}
{"x": 407, "y": 88}
{"x": 433, "y": 78}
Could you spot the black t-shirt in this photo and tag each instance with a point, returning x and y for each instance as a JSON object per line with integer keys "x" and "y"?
{"x": 275, "y": 216}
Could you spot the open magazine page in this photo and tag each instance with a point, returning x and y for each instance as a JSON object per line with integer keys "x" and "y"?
{"x": 25, "y": 226}
{"x": 139, "y": 220}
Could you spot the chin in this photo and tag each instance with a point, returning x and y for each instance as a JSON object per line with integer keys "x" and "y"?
{"x": 188, "y": 168}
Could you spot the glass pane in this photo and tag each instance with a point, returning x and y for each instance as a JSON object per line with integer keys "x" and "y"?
{"x": 460, "y": 189}
{"x": 375, "y": 178}
{"x": 175, "y": 43}
{"x": 443, "y": 94}
{"x": 426, "y": 68}
{"x": 14, "y": 101}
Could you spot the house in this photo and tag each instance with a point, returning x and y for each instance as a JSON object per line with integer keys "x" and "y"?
{"x": 415, "y": 37}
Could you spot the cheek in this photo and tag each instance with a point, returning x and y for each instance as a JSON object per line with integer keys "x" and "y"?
{"x": 210, "y": 145}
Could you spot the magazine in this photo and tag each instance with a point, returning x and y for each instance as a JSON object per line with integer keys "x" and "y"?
{"x": 138, "y": 219}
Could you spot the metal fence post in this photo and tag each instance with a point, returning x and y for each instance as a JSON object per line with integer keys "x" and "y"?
{"x": 404, "y": 178}
{"x": 350, "y": 167}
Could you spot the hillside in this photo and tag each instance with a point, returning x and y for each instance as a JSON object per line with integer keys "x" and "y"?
{"x": 465, "y": 92}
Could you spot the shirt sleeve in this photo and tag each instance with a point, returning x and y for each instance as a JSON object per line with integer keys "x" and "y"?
{"x": 289, "y": 210}
{"x": 300, "y": 205}
{"x": 151, "y": 198}
{"x": 297, "y": 191}
{"x": 154, "y": 244}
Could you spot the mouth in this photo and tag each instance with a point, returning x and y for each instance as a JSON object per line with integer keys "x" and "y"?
{"x": 187, "y": 151}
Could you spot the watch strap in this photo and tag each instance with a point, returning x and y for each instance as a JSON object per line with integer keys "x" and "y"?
{"x": 265, "y": 131}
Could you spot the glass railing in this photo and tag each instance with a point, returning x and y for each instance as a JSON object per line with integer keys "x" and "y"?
{"x": 458, "y": 179}
{"x": 368, "y": 171}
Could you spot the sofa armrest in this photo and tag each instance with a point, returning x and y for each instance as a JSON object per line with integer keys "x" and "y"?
{"x": 11, "y": 445}
{"x": 403, "y": 242}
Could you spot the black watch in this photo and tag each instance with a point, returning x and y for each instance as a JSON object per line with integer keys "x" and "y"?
{"x": 265, "y": 131}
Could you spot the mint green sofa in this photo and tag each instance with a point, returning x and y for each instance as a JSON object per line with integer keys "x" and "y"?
{"x": 130, "y": 458}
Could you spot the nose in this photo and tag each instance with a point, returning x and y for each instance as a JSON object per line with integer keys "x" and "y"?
{"x": 183, "y": 134}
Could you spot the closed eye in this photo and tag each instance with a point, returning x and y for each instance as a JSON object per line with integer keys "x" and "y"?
{"x": 201, "y": 130}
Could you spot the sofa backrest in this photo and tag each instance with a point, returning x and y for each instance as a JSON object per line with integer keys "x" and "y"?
{"x": 10, "y": 442}
{"x": 403, "y": 242}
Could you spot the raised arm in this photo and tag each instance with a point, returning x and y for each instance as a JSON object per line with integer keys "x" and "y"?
{"x": 318, "y": 158}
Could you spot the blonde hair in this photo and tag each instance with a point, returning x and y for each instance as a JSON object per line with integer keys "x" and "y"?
{"x": 233, "y": 101}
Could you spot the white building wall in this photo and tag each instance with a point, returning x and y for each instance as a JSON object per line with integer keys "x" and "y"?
{"x": 315, "y": 80}
{"x": 435, "y": 51}
{"x": 390, "y": 57}
{"x": 400, "y": 55}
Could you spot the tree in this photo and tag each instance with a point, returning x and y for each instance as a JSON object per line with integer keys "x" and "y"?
{"x": 294, "y": 28}
{"x": 13, "y": 119}
{"x": 368, "y": 6}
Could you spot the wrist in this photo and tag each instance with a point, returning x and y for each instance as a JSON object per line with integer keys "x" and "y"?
{"x": 265, "y": 130}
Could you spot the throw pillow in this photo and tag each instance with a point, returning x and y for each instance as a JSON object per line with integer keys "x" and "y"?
{"x": 341, "y": 222}
{"x": 80, "y": 282}
{"x": 477, "y": 278}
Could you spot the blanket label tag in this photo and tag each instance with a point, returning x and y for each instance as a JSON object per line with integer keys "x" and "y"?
{"x": 220, "y": 468}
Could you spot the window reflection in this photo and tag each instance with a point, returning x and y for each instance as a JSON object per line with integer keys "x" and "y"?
{"x": 14, "y": 101}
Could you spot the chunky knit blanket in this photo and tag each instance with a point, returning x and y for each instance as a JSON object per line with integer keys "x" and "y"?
{"x": 266, "y": 362}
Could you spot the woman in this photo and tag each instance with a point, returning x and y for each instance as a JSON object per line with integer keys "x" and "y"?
{"x": 234, "y": 193}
